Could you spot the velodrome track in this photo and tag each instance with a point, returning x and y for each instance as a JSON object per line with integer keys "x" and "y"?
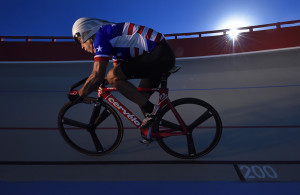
{"x": 257, "y": 95}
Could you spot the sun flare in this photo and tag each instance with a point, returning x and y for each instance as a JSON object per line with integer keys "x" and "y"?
{"x": 233, "y": 24}
{"x": 233, "y": 33}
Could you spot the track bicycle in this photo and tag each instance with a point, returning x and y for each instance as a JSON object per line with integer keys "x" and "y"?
{"x": 186, "y": 128}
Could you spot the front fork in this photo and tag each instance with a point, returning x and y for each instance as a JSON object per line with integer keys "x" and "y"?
{"x": 95, "y": 113}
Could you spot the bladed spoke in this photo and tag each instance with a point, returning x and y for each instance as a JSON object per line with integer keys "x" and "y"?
{"x": 104, "y": 115}
{"x": 170, "y": 125}
{"x": 96, "y": 141}
{"x": 204, "y": 117}
{"x": 191, "y": 145}
{"x": 74, "y": 123}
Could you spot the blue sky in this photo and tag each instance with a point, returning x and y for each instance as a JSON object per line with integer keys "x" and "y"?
{"x": 56, "y": 17}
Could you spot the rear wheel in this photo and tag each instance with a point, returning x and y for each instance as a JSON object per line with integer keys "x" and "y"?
{"x": 93, "y": 129}
{"x": 202, "y": 122}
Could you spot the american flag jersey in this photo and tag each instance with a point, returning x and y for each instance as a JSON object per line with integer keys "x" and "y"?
{"x": 124, "y": 41}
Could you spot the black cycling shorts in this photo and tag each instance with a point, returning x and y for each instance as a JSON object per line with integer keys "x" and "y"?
{"x": 151, "y": 65}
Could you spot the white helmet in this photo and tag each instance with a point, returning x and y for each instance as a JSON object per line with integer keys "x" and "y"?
{"x": 87, "y": 27}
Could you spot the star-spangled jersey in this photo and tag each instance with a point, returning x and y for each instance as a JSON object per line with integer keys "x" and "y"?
{"x": 124, "y": 41}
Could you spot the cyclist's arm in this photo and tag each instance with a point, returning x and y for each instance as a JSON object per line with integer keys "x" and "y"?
{"x": 95, "y": 79}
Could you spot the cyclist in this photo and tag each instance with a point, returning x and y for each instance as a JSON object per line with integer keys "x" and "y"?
{"x": 137, "y": 52}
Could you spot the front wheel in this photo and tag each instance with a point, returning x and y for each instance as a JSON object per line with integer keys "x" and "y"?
{"x": 92, "y": 129}
{"x": 203, "y": 123}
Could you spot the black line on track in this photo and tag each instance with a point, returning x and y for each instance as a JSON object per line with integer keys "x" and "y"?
{"x": 167, "y": 162}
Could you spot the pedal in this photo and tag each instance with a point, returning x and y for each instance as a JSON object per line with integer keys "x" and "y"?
{"x": 145, "y": 141}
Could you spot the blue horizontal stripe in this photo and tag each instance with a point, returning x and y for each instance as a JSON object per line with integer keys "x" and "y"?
{"x": 200, "y": 89}
{"x": 237, "y": 88}
{"x": 148, "y": 187}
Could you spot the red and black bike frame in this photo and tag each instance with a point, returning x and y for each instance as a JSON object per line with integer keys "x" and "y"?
{"x": 105, "y": 93}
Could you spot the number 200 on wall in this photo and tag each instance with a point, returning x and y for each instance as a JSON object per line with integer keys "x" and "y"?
{"x": 258, "y": 172}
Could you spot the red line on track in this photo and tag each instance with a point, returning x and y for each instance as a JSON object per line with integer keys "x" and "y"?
{"x": 132, "y": 128}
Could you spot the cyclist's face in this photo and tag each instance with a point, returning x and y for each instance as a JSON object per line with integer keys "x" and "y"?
{"x": 87, "y": 46}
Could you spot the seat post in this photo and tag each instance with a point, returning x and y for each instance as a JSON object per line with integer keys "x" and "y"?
{"x": 165, "y": 76}
{"x": 164, "y": 80}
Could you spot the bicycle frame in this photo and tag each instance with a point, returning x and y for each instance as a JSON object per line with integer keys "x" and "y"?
{"x": 105, "y": 93}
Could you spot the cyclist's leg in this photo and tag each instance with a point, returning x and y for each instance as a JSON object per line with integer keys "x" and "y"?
{"x": 119, "y": 80}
